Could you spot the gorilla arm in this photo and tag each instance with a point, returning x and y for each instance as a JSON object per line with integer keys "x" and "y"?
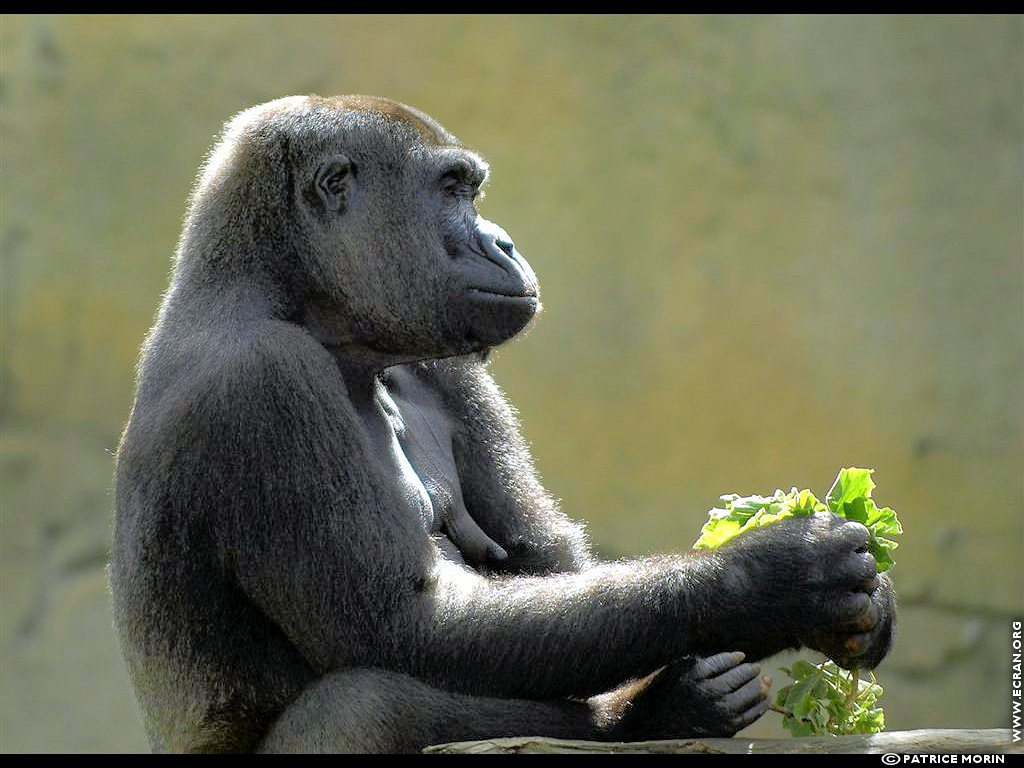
{"x": 506, "y": 497}
{"x": 323, "y": 545}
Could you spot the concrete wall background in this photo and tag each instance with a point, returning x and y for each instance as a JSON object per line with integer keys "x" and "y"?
{"x": 769, "y": 247}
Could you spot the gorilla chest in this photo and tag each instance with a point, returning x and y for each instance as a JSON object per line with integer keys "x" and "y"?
{"x": 425, "y": 471}
{"x": 419, "y": 437}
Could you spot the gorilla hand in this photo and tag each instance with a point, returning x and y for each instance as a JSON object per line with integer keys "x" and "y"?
{"x": 697, "y": 696}
{"x": 812, "y": 582}
{"x": 864, "y": 641}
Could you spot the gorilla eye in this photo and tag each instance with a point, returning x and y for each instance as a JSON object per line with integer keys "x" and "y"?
{"x": 463, "y": 181}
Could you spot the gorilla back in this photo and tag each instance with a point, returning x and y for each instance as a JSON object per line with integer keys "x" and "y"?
{"x": 330, "y": 534}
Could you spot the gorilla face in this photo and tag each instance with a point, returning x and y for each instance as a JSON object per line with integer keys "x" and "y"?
{"x": 416, "y": 271}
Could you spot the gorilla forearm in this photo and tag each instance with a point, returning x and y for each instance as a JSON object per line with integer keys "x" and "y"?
{"x": 569, "y": 634}
{"x": 583, "y": 633}
{"x": 572, "y": 634}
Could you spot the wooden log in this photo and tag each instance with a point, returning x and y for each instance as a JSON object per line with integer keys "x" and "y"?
{"x": 927, "y": 741}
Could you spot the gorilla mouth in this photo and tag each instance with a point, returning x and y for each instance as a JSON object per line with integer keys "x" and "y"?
{"x": 495, "y": 314}
{"x": 491, "y": 295}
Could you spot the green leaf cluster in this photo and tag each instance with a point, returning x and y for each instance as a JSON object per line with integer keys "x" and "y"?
{"x": 821, "y": 700}
{"x": 744, "y": 513}
{"x": 849, "y": 497}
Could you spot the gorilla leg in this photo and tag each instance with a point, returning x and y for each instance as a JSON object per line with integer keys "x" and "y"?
{"x": 370, "y": 710}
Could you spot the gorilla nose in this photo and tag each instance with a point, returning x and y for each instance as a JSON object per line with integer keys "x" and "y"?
{"x": 499, "y": 248}
{"x": 493, "y": 235}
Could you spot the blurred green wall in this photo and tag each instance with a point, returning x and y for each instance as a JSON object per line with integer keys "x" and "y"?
{"x": 769, "y": 247}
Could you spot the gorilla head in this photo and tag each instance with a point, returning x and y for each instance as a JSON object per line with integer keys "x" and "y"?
{"x": 363, "y": 212}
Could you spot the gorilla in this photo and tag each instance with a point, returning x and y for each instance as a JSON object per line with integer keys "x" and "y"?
{"x": 330, "y": 535}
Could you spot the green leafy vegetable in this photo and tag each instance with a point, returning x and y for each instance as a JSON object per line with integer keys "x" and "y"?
{"x": 849, "y": 497}
{"x": 744, "y": 513}
{"x": 822, "y": 698}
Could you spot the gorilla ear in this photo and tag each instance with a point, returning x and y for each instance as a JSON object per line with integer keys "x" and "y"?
{"x": 333, "y": 180}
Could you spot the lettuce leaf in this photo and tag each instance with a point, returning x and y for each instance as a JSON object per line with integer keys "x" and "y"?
{"x": 849, "y": 497}
{"x": 822, "y": 698}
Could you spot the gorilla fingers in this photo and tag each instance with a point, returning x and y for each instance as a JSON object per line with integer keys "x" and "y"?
{"x": 695, "y": 696}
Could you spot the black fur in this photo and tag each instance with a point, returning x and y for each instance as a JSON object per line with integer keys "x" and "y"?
{"x": 330, "y": 534}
